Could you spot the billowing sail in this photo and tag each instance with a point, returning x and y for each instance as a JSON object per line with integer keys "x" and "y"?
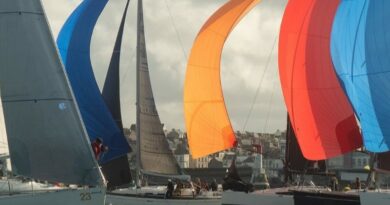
{"x": 320, "y": 113}
{"x": 46, "y": 136}
{"x": 154, "y": 154}
{"x": 74, "y": 44}
{"x": 208, "y": 126}
{"x": 360, "y": 46}
{"x": 111, "y": 90}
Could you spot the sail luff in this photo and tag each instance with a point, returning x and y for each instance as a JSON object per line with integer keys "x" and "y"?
{"x": 111, "y": 89}
{"x": 322, "y": 118}
{"x": 154, "y": 153}
{"x": 208, "y": 125}
{"x": 47, "y": 140}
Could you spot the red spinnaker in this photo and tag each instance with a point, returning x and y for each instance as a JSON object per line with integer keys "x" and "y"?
{"x": 321, "y": 115}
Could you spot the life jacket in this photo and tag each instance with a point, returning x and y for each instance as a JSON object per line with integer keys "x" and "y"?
{"x": 97, "y": 149}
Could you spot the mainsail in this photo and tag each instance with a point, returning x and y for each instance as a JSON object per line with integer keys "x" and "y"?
{"x": 116, "y": 171}
{"x": 111, "y": 89}
{"x": 294, "y": 159}
{"x": 74, "y": 43}
{"x": 154, "y": 154}
{"x": 208, "y": 126}
{"x": 47, "y": 140}
{"x": 320, "y": 113}
{"x": 360, "y": 46}
{"x": 383, "y": 161}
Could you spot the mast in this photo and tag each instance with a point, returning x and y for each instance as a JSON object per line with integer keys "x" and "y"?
{"x": 138, "y": 127}
{"x": 286, "y": 167}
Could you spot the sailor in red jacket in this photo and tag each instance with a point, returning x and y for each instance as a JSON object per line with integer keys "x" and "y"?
{"x": 98, "y": 148}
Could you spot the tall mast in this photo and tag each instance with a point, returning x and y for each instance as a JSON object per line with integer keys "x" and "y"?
{"x": 140, "y": 26}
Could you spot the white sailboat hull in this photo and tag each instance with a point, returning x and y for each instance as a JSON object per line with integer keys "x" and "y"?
{"x": 155, "y": 196}
{"x": 88, "y": 196}
{"x": 375, "y": 198}
{"x": 256, "y": 198}
{"x": 134, "y": 200}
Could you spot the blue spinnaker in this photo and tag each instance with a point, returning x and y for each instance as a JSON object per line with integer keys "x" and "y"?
{"x": 360, "y": 47}
{"x": 74, "y": 44}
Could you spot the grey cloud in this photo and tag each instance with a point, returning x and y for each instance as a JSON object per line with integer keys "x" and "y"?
{"x": 244, "y": 56}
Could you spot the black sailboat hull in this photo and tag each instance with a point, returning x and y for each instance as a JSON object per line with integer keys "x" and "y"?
{"x": 325, "y": 198}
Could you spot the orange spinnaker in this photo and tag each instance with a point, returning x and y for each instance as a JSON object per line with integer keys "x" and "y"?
{"x": 320, "y": 113}
{"x": 207, "y": 121}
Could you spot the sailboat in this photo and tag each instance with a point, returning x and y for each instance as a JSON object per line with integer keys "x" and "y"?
{"x": 154, "y": 158}
{"x": 46, "y": 136}
{"x": 205, "y": 110}
{"x": 321, "y": 116}
{"x": 360, "y": 55}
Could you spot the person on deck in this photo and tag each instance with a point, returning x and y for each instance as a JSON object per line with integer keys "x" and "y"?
{"x": 358, "y": 185}
{"x": 334, "y": 184}
{"x": 98, "y": 148}
{"x": 214, "y": 185}
{"x": 197, "y": 185}
{"x": 170, "y": 189}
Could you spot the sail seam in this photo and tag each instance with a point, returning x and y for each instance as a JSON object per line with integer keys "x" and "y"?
{"x": 36, "y": 100}
{"x": 21, "y": 12}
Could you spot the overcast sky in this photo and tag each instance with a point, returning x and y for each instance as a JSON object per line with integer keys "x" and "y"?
{"x": 171, "y": 27}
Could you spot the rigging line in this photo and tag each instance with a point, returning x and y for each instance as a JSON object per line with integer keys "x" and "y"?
{"x": 270, "y": 107}
{"x": 127, "y": 70}
{"x": 260, "y": 83}
{"x": 177, "y": 32}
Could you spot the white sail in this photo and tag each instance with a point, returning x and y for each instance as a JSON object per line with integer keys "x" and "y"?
{"x": 3, "y": 135}
{"x": 4, "y": 151}
{"x": 47, "y": 139}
